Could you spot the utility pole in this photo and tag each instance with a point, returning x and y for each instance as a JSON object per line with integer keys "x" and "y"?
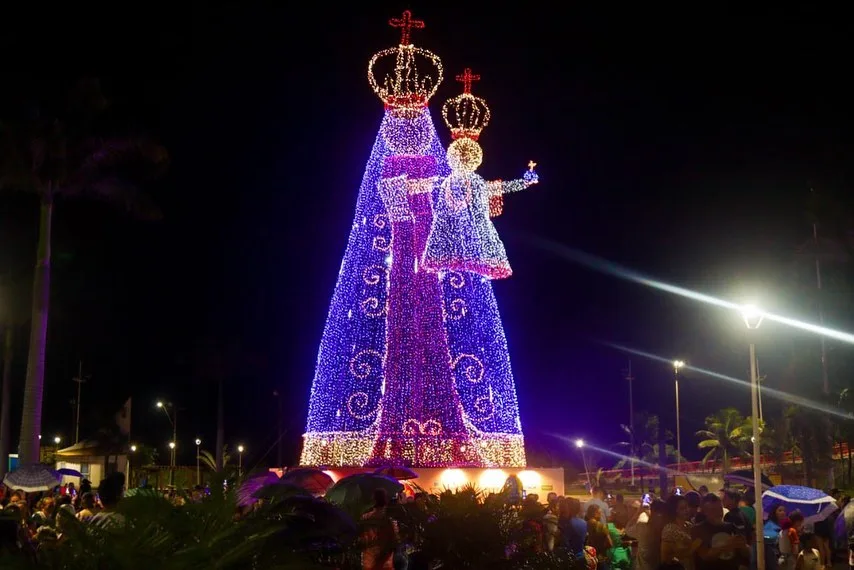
{"x": 825, "y": 384}
{"x": 80, "y": 379}
{"x": 630, "y": 379}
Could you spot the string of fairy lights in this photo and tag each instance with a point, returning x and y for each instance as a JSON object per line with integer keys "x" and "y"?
{"x": 413, "y": 366}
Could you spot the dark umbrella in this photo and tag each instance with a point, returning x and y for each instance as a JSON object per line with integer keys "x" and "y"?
{"x": 32, "y": 478}
{"x": 312, "y": 480}
{"x": 65, "y": 471}
{"x": 359, "y": 489}
{"x": 252, "y": 484}
{"x": 745, "y": 477}
{"x": 399, "y": 473}
{"x": 325, "y": 516}
{"x": 280, "y": 491}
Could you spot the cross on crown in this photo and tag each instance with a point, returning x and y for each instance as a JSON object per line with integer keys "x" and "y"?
{"x": 406, "y": 24}
{"x": 466, "y": 79}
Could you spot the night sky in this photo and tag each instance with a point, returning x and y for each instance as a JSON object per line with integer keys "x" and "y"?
{"x": 680, "y": 144}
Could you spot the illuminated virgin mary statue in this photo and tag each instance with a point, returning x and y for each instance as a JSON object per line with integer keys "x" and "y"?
{"x": 413, "y": 366}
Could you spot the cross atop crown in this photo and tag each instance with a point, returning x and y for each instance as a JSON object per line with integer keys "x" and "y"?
{"x": 466, "y": 114}
{"x": 405, "y": 76}
{"x": 466, "y": 79}
{"x": 406, "y": 24}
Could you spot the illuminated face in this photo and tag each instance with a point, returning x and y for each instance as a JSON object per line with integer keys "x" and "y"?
{"x": 407, "y": 131}
{"x": 464, "y": 155}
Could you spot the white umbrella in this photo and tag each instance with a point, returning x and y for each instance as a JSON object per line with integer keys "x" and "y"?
{"x": 32, "y": 478}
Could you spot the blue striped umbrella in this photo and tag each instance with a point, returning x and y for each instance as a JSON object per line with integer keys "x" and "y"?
{"x": 32, "y": 478}
{"x": 815, "y": 505}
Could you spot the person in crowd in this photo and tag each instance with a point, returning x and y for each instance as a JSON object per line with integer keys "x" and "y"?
{"x": 703, "y": 491}
{"x": 380, "y": 536}
{"x": 694, "y": 499}
{"x": 598, "y": 536}
{"x": 809, "y": 558}
{"x": 676, "y": 541}
{"x": 110, "y": 491}
{"x": 719, "y": 546}
{"x": 550, "y": 521}
{"x": 619, "y": 555}
{"x": 735, "y": 516}
{"x": 789, "y": 540}
{"x": 599, "y": 499}
{"x": 87, "y": 507}
{"x": 776, "y": 517}
{"x": 620, "y": 512}
{"x": 573, "y": 530}
{"x": 45, "y": 509}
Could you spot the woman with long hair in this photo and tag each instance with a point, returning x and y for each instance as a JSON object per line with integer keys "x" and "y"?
{"x": 676, "y": 543}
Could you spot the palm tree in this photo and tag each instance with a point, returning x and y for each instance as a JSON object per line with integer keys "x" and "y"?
{"x": 725, "y": 436}
{"x": 647, "y": 432}
{"x": 58, "y": 157}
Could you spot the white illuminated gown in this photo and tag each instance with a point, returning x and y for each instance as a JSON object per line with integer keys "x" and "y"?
{"x": 463, "y": 237}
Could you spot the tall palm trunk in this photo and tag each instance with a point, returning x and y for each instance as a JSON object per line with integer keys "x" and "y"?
{"x": 31, "y": 420}
{"x": 6, "y": 403}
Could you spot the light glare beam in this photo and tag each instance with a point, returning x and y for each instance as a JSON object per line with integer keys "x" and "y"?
{"x": 638, "y": 461}
{"x": 609, "y": 268}
{"x": 772, "y": 392}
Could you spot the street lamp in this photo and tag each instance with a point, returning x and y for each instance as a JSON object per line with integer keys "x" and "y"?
{"x": 240, "y": 449}
{"x": 173, "y": 420}
{"x": 579, "y": 443}
{"x": 172, "y": 461}
{"x": 678, "y": 365}
{"x": 56, "y": 440}
{"x": 132, "y": 450}
{"x": 198, "y": 471}
{"x": 752, "y": 319}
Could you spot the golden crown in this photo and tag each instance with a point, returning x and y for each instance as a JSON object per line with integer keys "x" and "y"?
{"x": 466, "y": 115}
{"x": 394, "y": 73}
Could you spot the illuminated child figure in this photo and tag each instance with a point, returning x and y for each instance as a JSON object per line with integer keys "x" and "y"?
{"x": 463, "y": 237}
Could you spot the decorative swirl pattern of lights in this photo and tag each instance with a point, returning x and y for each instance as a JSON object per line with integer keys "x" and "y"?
{"x": 476, "y": 421}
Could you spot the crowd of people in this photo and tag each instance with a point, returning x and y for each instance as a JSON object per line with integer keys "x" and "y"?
{"x": 30, "y": 522}
{"x": 697, "y": 530}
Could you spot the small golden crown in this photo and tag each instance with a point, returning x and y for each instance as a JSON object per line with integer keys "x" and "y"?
{"x": 404, "y": 86}
{"x": 466, "y": 115}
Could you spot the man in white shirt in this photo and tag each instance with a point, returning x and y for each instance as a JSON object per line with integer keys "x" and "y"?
{"x": 599, "y": 500}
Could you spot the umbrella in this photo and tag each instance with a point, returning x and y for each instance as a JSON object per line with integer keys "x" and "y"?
{"x": 359, "y": 488}
{"x": 814, "y": 504}
{"x": 323, "y": 516}
{"x": 32, "y": 478}
{"x": 66, "y": 472}
{"x": 399, "y": 473}
{"x": 745, "y": 477}
{"x": 279, "y": 490}
{"x": 312, "y": 480}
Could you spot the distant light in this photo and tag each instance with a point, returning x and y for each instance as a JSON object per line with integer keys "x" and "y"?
{"x": 579, "y": 443}
{"x": 240, "y": 449}
{"x": 171, "y": 445}
{"x": 57, "y": 439}
{"x": 677, "y": 364}
{"x": 453, "y": 479}
{"x": 133, "y": 448}
{"x": 530, "y": 479}
{"x": 198, "y": 441}
{"x": 159, "y": 404}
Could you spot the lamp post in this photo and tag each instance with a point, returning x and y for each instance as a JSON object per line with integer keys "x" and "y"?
{"x": 240, "y": 450}
{"x": 752, "y": 319}
{"x": 579, "y": 443}
{"x": 198, "y": 470}
{"x": 132, "y": 451}
{"x": 172, "y": 468}
{"x": 678, "y": 365}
